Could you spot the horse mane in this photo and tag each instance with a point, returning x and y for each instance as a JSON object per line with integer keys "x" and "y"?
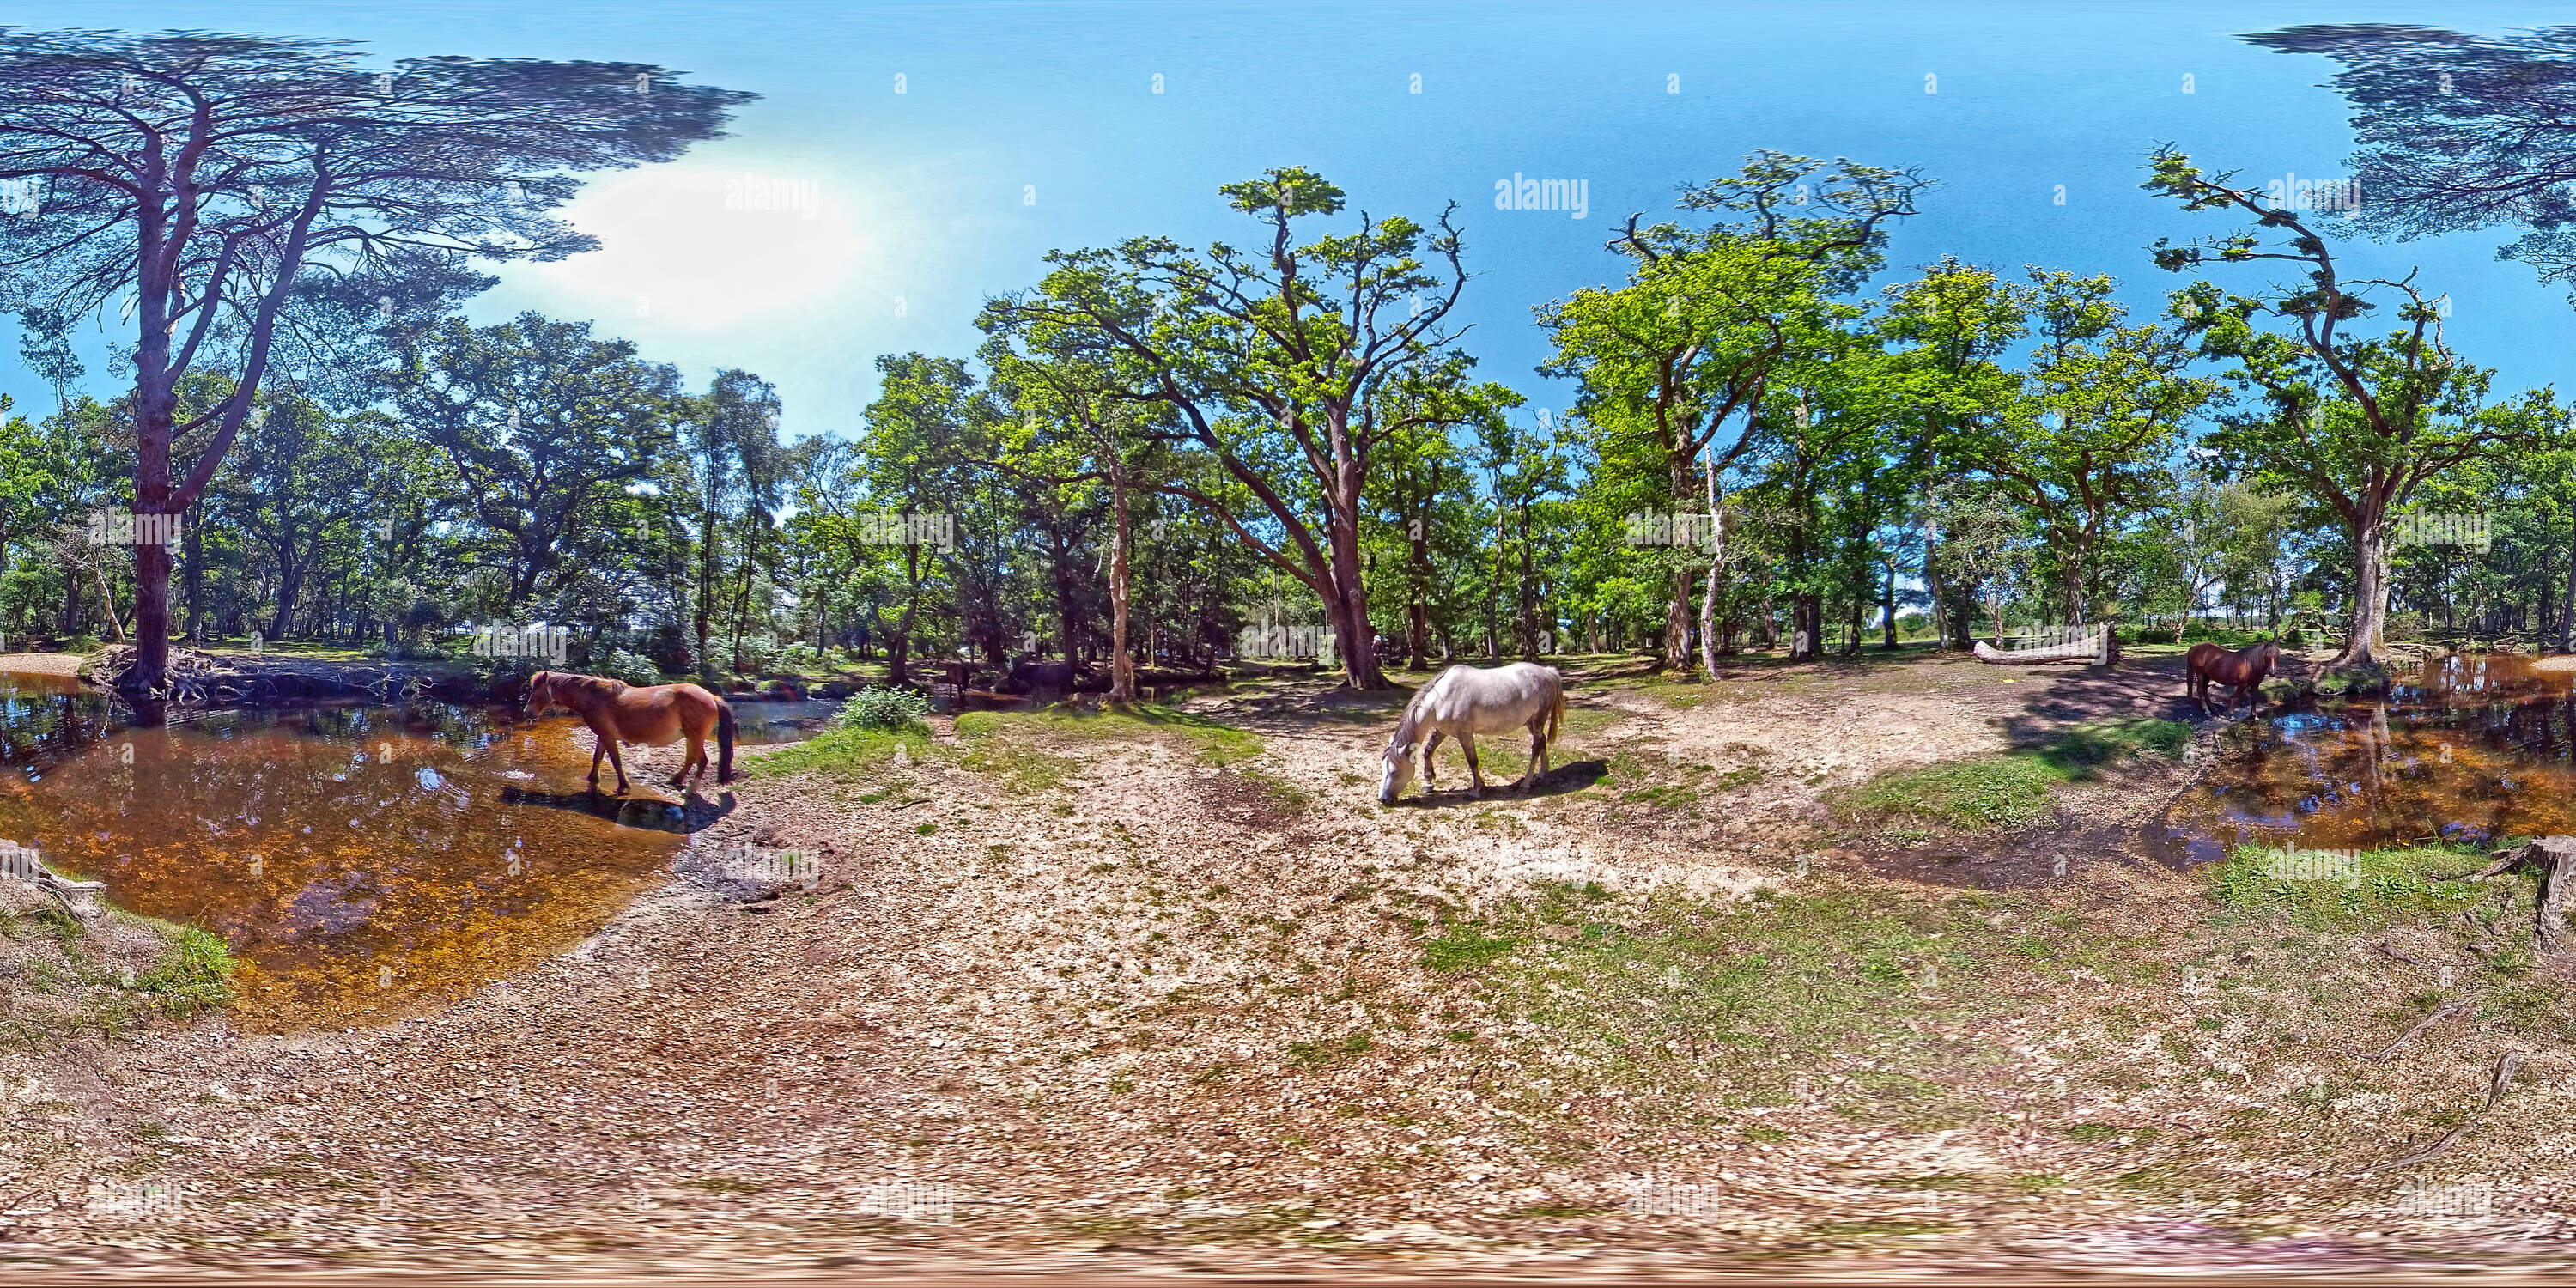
{"x": 1404, "y": 726}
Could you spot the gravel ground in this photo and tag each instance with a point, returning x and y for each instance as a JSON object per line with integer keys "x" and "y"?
{"x": 1102, "y": 1006}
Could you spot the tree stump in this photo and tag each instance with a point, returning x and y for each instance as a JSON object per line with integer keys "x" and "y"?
{"x": 2555, "y": 857}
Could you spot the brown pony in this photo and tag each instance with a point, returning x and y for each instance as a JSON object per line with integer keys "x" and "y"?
{"x": 2243, "y": 671}
{"x": 617, "y": 712}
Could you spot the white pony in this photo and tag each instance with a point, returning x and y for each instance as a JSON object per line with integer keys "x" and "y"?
{"x": 1464, "y": 701}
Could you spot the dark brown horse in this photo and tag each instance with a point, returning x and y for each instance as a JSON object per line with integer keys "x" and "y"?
{"x": 2243, "y": 671}
{"x": 618, "y": 712}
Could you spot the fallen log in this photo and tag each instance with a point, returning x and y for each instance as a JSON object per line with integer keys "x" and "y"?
{"x": 195, "y": 678}
{"x": 2086, "y": 651}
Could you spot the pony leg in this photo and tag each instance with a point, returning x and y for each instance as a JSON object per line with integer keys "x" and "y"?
{"x": 596, "y": 752}
{"x": 1474, "y": 770}
{"x": 697, "y": 756}
{"x": 618, "y": 761}
{"x": 1430, "y": 757}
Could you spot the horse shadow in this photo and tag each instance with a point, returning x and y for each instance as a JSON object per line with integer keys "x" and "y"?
{"x": 649, "y": 813}
{"x": 1560, "y": 780}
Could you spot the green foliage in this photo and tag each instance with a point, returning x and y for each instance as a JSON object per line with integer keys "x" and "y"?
{"x": 884, "y": 709}
{"x": 619, "y": 664}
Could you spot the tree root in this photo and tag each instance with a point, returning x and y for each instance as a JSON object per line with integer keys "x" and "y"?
{"x": 2497, "y": 1084}
{"x": 2555, "y": 856}
{"x": 2440, "y": 1013}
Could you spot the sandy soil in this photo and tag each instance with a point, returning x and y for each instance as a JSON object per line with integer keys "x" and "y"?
{"x": 1124, "y": 1004}
{"x": 42, "y": 663}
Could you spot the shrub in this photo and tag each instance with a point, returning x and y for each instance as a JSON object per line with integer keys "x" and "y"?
{"x": 634, "y": 668}
{"x": 890, "y": 709}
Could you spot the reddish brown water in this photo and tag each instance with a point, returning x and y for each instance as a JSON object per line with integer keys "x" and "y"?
{"x": 2466, "y": 748}
{"x": 362, "y": 862}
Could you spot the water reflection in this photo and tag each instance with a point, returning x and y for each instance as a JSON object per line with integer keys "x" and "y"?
{"x": 2467, "y": 748}
{"x": 361, "y": 861}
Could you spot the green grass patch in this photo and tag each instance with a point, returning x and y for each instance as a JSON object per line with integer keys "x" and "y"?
{"x": 1210, "y": 742}
{"x": 2343, "y": 889}
{"x": 2010, "y": 790}
{"x": 1463, "y": 948}
{"x": 844, "y": 754}
{"x": 1744, "y": 993}
{"x": 2079, "y": 751}
{"x": 193, "y": 975}
{"x": 1982, "y": 794}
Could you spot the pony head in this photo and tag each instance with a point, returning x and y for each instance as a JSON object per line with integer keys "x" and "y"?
{"x": 541, "y": 694}
{"x": 1399, "y": 771}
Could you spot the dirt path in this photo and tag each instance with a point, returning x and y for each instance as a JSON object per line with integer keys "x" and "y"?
{"x": 1124, "y": 997}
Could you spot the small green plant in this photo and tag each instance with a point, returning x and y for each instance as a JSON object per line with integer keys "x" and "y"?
{"x": 890, "y": 710}
{"x": 193, "y": 974}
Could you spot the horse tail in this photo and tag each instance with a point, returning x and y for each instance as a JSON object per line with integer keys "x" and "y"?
{"x": 1556, "y": 708}
{"x": 724, "y": 741}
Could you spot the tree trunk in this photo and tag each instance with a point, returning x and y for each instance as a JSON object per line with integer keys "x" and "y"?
{"x": 195, "y": 578}
{"x": 1708, "y": 642}
{"x": 742, "y": 603}
{"x": 707, "y": 588}
{"x": 2567, "y": 601}
{"x": 1807, "y": 624}
{"x": 1122, "y": 668}
{"x": 1350, "y": 600}
{"x": 106, "y": 597}
{"x": 2369, "y": 599}
{"x": 899, "y": 672}
{"x": 1887, "y": 610}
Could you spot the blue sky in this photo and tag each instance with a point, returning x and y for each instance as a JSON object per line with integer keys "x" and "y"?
{"x": 923, "y": 199}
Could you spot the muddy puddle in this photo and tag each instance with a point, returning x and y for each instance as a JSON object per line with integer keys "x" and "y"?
{"x": 362, "y": 862}
{"x": 2467, "y": 748}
